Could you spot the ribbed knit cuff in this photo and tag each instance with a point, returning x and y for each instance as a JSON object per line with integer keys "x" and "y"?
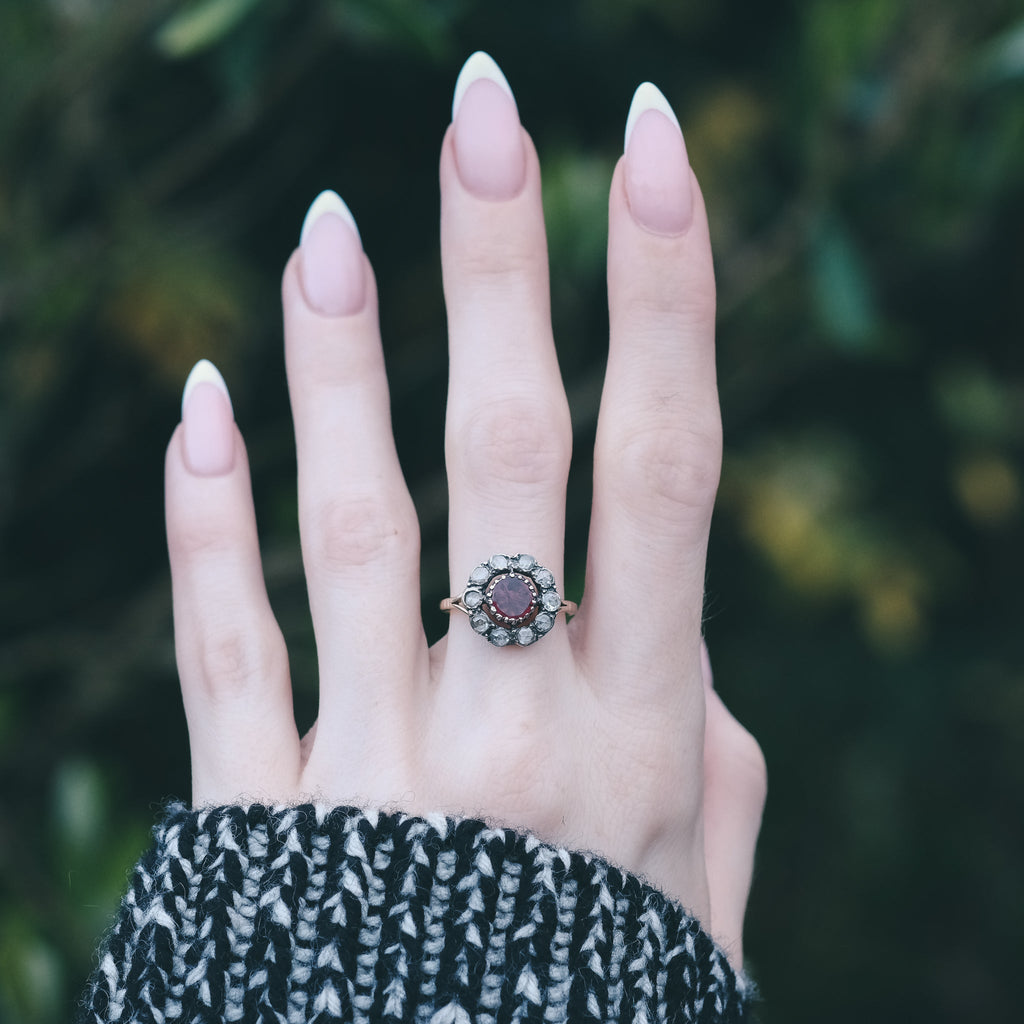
{"x": 305, "y": 913}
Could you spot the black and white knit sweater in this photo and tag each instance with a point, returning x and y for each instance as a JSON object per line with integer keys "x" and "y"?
{"x": 305, "y": 914}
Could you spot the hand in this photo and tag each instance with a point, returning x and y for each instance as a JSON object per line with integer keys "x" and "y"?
{"x": 605, "y": 735}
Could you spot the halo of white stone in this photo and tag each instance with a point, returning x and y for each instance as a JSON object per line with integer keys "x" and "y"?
{"x": 547, "y": 597}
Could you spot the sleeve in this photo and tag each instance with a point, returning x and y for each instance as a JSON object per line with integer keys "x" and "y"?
{"x": 306, "y": 913}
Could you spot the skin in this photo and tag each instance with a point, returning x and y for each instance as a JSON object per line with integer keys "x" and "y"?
{"x": 598, "y": 737}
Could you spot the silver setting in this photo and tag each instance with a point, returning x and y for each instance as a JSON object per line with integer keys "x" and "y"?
{"x": 489, "y": 621}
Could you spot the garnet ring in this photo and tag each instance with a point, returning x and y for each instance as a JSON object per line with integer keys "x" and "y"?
{"x": 511, "y": 600}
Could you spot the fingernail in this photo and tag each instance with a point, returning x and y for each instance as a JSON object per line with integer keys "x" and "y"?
{"x": 208, "y": 422}
{"x": 333, "y": 278}
{"x": 657, "y": 168}
{"x": 489, "y": 150}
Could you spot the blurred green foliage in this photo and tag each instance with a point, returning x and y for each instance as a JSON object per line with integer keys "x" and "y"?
{"x": 863, "y": 163}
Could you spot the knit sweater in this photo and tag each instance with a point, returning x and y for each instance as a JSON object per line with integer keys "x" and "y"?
{"x": 303, "y": 914}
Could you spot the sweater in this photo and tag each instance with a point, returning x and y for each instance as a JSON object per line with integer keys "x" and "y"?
{"x": 301, "y": 914}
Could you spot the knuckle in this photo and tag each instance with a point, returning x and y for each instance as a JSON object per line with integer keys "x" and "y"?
{"x": 235, "y": 660}
{"x": 509, "y": 766}
{"x": 349, "y": 533}
{"x": 196, "y": 538}
{"x": 674, "y": 296}
{"x": 675, "y": 312}
{"x": 676, "y": 469}
{"x": 526, "y": 792}
{"x": 515, "y": 440}
{"x": 481, "y": 260}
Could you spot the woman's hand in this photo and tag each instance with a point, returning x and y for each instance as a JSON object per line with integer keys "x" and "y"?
{"x": 604, "y": 735}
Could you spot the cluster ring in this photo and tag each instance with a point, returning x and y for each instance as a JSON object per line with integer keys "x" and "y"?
{"x": 511, "y": 600}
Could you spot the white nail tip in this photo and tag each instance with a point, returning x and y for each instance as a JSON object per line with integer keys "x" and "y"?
{"x": 204, "y": 372}
{"x": 328, "y": 202}
{"x": 647, "y": 97}
{"x": 480, "y": 65}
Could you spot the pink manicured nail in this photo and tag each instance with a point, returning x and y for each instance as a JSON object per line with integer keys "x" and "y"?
{"x": 208, "y": 422}
{"x": 333, "y": 277}
{"x": 657, "y": 168}
{"x": 489, "y": 150}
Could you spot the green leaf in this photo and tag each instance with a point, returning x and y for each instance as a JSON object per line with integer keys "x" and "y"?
{"x": 576, "y": 209}
{"x": 31, "y": 972}
{"x": 200, "y": 26}
{"x": 414, "y": 24}
{"x": 1003, "y": 57}
{"x": 976, "y": 404}
{"x": 79, "y": 805}
{"x": 843, "y": 290}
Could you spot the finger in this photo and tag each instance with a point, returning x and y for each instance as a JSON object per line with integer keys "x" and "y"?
{"x": 735, "y": 789}
{"x": 658, "y": 445}
{"x": 231, "y": 657}
{"x": 360, "y": 538}
{"x": 508, "y": 436}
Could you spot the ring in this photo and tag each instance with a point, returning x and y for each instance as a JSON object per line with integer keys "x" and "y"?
{"x": 510, "y": 599}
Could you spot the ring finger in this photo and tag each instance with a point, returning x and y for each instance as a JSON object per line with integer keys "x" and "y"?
{"x": 508, "y": 435}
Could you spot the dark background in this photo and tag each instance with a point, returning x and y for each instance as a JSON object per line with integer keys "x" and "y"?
{"x": 862, "y": 163}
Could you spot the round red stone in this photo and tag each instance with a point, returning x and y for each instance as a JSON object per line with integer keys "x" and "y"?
{"x": 511, "y": 597}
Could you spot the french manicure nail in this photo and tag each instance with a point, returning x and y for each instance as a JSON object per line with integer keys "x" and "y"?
{"x": 208, "y": 422}
{"x": 489, "y": 151}
{"x": 657, "y": 170}
{"x": 331, "y": 267}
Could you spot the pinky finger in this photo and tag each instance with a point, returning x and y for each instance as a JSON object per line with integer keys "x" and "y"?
{"x": 735, "y": 789}
{"x": 232, "y": 661}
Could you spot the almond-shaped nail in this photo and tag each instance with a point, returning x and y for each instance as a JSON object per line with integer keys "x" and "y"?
{"x": 331, "y": 264}
{"x": 489, "y": 151}
{"x": 657, "y": 170}
{"x": 208, "y": 422}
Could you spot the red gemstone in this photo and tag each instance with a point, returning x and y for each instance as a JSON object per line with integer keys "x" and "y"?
{"x": 511, "y": 597}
